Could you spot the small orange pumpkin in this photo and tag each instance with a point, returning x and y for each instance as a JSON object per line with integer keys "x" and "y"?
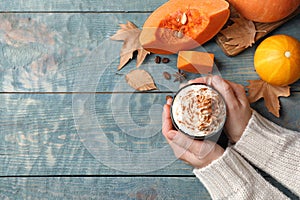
{"x": 277, "y": 60}
{"x": 265, "y": 10}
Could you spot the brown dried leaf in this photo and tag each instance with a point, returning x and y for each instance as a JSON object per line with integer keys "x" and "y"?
{"x": 130, "y": 33}
{"x": 261, "y": 89}
{"x": 140, "y": 80}
{"x": 241, "y": 33}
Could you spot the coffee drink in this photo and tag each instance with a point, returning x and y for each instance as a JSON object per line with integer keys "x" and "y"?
{"x": 198, "y": 111}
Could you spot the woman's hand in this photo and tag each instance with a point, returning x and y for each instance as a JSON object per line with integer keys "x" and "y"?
{"x": 196, "y": 153}
{"x": 238, "y": 107}
{"x": 201, "y": 153}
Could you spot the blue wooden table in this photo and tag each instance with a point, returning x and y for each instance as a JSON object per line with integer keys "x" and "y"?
{"x": 70, "y": 126}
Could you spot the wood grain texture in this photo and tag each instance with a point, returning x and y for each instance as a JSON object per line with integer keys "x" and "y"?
{"x": 80, "y": 6}
{"x": 65, "y": 50}
{"x": 40, "y": 134}
{"x": 104, "y": 188}
{"x": 67, "y": 116}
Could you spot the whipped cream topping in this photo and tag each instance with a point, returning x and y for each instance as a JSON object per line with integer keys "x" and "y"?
{"x": 198, "y": 110}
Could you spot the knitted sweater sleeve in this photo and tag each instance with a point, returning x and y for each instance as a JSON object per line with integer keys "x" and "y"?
{"x": 232, "y": 177}
{"x": 273, "y": 149}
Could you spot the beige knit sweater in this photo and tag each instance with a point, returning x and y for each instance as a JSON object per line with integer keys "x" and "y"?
{"x": 268, "y": 146}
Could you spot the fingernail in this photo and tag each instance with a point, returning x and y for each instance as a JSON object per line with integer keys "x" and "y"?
{"x": 168, "y": 97}
{"x": 171, "y": 135}
{"x": 169, "y": 100}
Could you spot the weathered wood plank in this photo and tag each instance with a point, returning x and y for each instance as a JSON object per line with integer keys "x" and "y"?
{"x": 71, "y": 52}
{"x": 79, "y": 5}
{"x": 102, "y": 188}
{"x": 96, "y": 134}
{"x": 39, "y": 136}
{"x": 47, "y": 131}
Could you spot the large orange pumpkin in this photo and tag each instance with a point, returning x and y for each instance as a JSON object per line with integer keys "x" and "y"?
{"x": 265, "y": 10}
{"x": 277, "y": 60}
{"x": 183, "y": 25}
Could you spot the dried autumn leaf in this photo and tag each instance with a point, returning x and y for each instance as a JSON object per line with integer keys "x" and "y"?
{"x": 130, "y": 33}
{"x": 140, "y": 80}
{"x": 261, "y": 89}
{"x": 241, "y": 33}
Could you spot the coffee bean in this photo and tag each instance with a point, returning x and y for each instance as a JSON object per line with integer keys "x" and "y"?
{"x": 165, "y": 60}
{"x": 157, "y": 59}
